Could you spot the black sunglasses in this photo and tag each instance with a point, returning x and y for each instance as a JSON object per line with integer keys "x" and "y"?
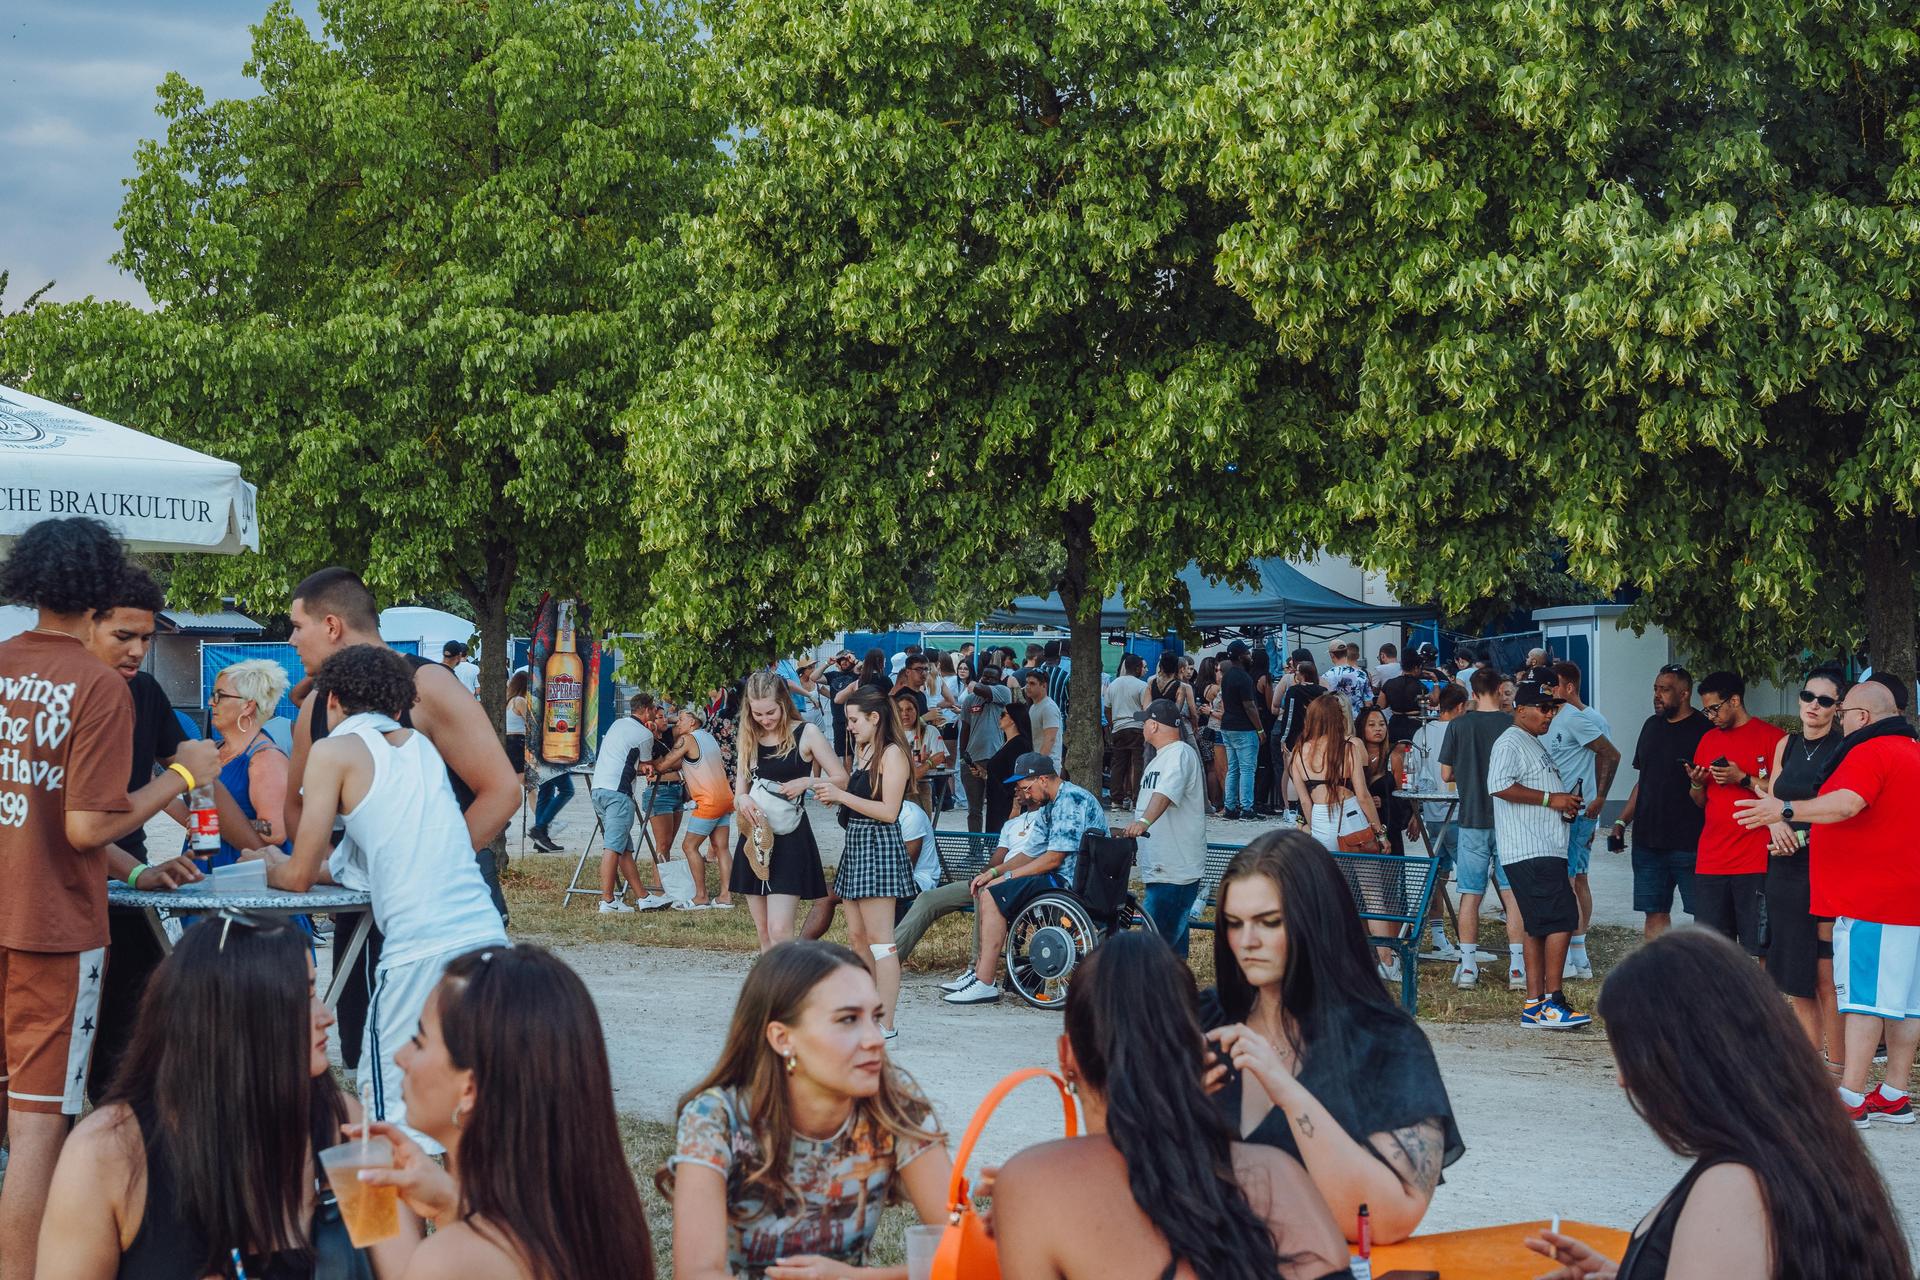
{"x": 1808, "y": 695}
{"x": 1675, "y": 669}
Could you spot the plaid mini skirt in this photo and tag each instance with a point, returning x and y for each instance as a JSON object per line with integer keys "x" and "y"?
{"x": 874, "y": 863}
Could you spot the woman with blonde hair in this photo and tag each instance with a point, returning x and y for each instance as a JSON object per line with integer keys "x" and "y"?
{"x": 1329, "y": 769}
{"x": 803, "y": 1132}
{"x": 252, "y": 766}
{"x": 777, "y": 747}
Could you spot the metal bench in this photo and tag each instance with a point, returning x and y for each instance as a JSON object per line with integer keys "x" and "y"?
{"x": 1387, "y": 888}
{"x": 963, "y": 854}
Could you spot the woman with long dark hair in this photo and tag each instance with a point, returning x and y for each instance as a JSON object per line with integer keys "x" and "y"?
{"x": 1329, "y": 1069}
{"x": 1204, "y": 1205}
{"x": 875, "y": 871}
{"x": 536, "y": 1186}
{"x": 802, "y": 1133}
{"x": 1016, "y": 727}
{"x": 1799, "y": 945}
{"x": 1328, "y": 771}
{"x": 1213, "y": 748}
{"x": 1781, "y": 1186}
{"x": 209, "y": 1137}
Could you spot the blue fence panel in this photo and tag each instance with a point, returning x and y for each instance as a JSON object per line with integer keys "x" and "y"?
{"x": 215, "y": 658}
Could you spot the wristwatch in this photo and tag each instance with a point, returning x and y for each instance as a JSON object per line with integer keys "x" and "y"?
{"x": 1786, "y": 812}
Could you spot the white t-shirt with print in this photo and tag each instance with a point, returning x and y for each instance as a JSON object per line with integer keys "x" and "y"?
{"x": 1568, "y": 743}
{"x": 1044, "y": 715}
{"x": 623, "y": 736}
{"x": 1174, "y": 851}
{"x": 1523, "y": 831}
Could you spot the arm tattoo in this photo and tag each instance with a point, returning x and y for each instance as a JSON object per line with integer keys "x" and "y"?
{"x": 1414, "y": 1154}
{"x": 1306, "y": 1124}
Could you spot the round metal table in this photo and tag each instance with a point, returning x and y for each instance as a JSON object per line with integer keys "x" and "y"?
{"x": 201, "y": 898}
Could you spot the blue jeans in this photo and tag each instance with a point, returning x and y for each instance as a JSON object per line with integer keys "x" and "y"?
{"x": 1167, "y": 906}
{"x": 1580, "y": 844}
{"x": 1243, "y": 756}
{"x": 551, "y": 799}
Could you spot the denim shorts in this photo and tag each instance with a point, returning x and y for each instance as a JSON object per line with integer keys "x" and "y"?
{"x": 1580, "y": 844}
{"x": 615, "y": 811}
{"x": 666, "y": 797}
{"x": 1476, "y": 857}
{"x": 698, "y": 826}
{"x": 1656, "y": 874}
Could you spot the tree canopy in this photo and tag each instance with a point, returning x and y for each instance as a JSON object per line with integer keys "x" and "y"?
{"x": 1640, "y": 275}
{"x": 408, "y": 287}
{"x": 963, "y": 311}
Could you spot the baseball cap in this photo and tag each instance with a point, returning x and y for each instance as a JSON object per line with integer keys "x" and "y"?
{"x": 1238, "y": 649}
{"x": 1033, "y": 764}
{"x": 452, "y": 647}
{"x": 1532, "y": 693}
{"x": 1163, "y": 711}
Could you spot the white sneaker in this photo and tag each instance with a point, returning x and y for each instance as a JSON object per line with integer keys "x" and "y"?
{"x": 1442, "y": 950}
{"x": 653, "y": 902}
{"x": 960, "y": 983}
{"x": 614, "y": 907}
{"x": 1516, "y": 977}
{"x": 1466, "y": 976}
{"x": 977, "y": 993}
{"x": 1575, "y": 970}
{"x": 1389, "y": 969}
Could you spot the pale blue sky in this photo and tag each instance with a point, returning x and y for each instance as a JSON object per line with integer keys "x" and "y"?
{"x": 77, "y": 81}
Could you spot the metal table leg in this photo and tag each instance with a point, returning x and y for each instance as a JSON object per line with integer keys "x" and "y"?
{"x": 348, "y": 958}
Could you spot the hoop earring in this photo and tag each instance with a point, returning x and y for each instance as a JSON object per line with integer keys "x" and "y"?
{"x": 458, "y": 1114}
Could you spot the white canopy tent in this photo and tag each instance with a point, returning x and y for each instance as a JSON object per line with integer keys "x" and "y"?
{"x": 431, "y": 628}
{"x": 56, "y": 461}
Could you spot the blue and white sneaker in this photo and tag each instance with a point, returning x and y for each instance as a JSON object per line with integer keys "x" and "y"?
{"x": 1553, "y": 1014}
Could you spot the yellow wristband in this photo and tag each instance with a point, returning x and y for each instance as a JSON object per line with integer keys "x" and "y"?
{"x": 185, "y": 776}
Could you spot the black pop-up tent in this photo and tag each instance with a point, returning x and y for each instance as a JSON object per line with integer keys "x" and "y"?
{"x": 1281, "y": 597}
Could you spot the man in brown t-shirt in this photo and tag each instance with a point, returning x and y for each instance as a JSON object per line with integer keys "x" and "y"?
{"x": 66, "y": 742}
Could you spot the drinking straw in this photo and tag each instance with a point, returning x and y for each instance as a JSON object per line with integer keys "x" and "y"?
{"x": 239, "y": 1267}
{"x": 1556, "y": 1224}
{"x": 366, "y": 1122}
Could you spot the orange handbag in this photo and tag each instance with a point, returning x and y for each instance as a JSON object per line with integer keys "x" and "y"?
{"x": 966, "y": 1251}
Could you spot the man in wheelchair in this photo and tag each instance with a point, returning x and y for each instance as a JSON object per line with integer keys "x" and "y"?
{"x": 1063, "y": 814}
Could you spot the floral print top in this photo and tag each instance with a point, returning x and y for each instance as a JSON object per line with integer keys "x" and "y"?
{"x": 843, "y": 1182}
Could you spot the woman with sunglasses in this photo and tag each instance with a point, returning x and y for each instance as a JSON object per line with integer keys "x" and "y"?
{"x": 207, "y": 1145}
{"x": 1800, "y": 945}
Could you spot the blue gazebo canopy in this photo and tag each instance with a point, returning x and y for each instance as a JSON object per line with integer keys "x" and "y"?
{"x": 1281, "y": 596}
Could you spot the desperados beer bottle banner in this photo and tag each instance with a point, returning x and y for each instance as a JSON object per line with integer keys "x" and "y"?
{"x": 563, "y": 685}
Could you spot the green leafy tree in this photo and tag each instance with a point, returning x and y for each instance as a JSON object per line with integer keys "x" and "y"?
{"x": 1637, "y": 274}
{"x": 408, "y": 287}
{"x": 964, "y": 320}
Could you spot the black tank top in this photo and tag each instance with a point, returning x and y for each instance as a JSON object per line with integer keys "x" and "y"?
{"x": 780, "y": 768}
{"x": 1803, "y": 767}
{"x": 168, "y": 1248}
{"x": 1649, "y": 1251}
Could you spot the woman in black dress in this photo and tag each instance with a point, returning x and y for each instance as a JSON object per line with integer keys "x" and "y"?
{"x": 1017, "y": 725}
{"x": 1800, "y": 945}
{"x": 777, "y": 747}
{"x": 1326, "y": 1067}
{"x": 1781, "y": 1185}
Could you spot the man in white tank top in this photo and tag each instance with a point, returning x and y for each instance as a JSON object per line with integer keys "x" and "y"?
{"x": 406, "y": 844}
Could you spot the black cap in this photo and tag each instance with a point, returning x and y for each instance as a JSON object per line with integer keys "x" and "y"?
{"x": 1033, "y": 764}
{"x": 1164, "y": 711}
{"x": 452, "y": 647}
{"x": 1238, "y": 649}
{"x": 1532, "y": 693}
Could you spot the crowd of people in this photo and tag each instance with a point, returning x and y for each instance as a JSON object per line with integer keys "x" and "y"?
{"x": 1309, "y": 1106}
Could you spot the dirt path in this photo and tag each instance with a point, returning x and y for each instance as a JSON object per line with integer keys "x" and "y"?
{"x": 1547, "y": 1130}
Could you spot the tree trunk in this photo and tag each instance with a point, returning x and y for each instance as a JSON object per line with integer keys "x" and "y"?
{"x": 1890, "y": 596}
{"x": 1085, "y": 748}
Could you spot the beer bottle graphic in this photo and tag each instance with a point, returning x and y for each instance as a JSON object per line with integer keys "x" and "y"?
{"x": 564, "y": 695}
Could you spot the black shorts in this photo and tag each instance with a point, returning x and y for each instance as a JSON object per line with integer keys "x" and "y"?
{"x": 1545, "y": 894}
{"x": 1733, "y": 905}
{"x": 1793, "y": 934}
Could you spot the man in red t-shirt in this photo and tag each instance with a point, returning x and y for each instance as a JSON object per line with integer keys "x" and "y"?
{"x": 1865, "y": 870}
{"x": 1730, "y": 870}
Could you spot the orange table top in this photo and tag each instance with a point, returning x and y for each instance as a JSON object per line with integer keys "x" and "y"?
{"x": 1489, "y": 1253}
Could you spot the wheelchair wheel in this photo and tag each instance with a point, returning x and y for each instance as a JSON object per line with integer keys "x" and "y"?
{"x": 1045, "y": 943}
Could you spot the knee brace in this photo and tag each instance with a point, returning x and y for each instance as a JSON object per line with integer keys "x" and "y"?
{"x": 881, "y": 950}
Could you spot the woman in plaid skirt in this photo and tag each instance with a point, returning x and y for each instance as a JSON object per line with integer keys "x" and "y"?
{"x": 874, "y": 868}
